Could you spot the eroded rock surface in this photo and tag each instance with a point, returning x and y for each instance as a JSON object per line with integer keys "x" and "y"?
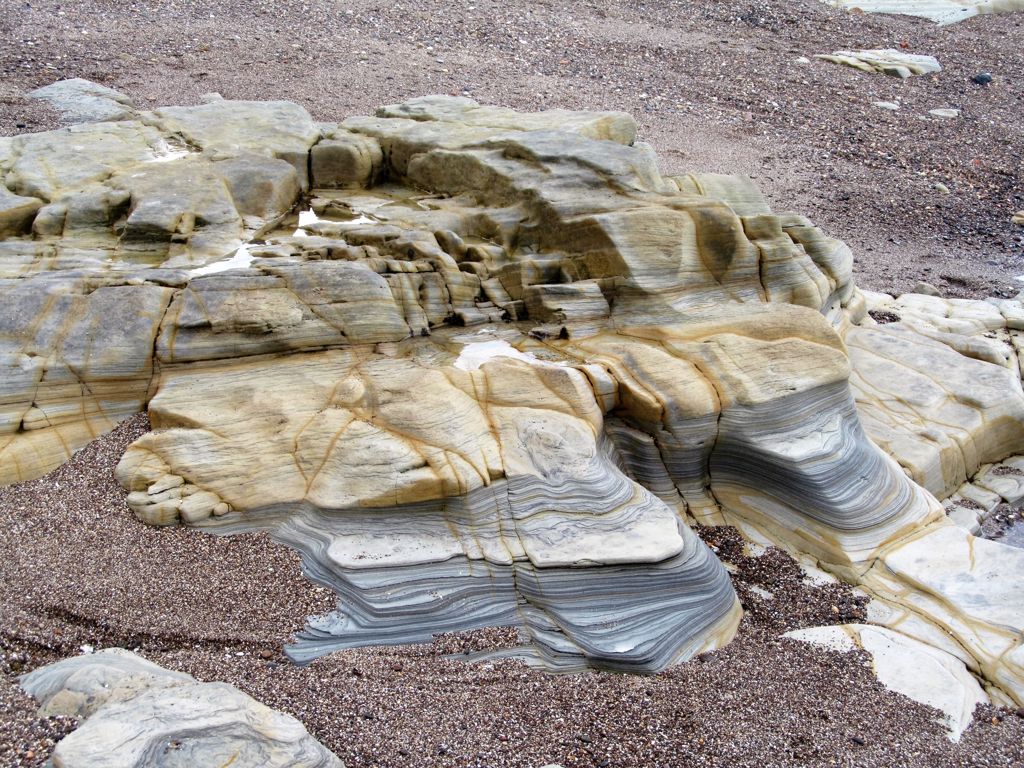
{"x": 485, "y": 370}
{"x": 135, "y": 713}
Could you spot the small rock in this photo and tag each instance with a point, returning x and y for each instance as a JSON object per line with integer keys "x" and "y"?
{"x": 941, "y": 187}
{"x": 891, "y": 105}
{"x": 926, "y": 289}
{"x": 857, "y": 740}
{"x": 266, "y": 653}
{"x": 982, "y": 78}
{"x": 1018, "y": 218}
{"x": 944, "y": 112}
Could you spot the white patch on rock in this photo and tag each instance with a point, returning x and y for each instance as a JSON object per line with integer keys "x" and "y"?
{"x": 476, "y": 354}
{"x": 240, "y": 259}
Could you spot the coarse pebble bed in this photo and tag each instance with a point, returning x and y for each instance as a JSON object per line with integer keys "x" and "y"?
{"x": 716, "y": 85}
{"x": 78, "y": 569}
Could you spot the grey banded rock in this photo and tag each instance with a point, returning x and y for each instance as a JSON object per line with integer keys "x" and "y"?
{"x": 134, "y": 713}
{"x": 487, "y": 372}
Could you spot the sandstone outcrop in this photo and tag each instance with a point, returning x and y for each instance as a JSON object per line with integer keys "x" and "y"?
{"x": 134, "y": 713}
{"x": 482, "y": 367}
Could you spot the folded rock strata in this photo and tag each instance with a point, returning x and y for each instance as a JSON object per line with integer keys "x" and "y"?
{"x": 485, "y": 369}
{"x": 134, "y": 713}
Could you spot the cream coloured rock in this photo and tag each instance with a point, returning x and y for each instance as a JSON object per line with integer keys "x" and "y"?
{"x": 967, "y": 588}
{"x": 77, "y": 360}
{"x": 941, "y": 11}
{"x": 134, "y": 713}
{"x": 231, "y": 128}
{"x": 492, "y": 484}
{"x": 939, "y": 389}
{"x": 16, "y": 213}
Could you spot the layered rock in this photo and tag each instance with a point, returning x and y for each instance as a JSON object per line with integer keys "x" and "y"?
{"x": 680, "y": 353}
{"x": 135, "y": 713}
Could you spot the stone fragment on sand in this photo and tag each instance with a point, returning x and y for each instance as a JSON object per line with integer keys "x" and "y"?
{"x": 83, "y": 101}
{"x": 910, "y": 667}
{"x": 885, "y": 60}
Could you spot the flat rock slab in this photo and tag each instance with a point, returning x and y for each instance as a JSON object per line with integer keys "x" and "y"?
{"x": 83, "y": 101}
{"x": 941, "y": 11}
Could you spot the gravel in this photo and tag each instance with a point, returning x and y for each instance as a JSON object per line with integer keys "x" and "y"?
{"x": 716, "y": 85}
{"x": 77, "y": 569}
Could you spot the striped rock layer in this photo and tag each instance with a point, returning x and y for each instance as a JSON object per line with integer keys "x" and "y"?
{"x": 482, "y": 368}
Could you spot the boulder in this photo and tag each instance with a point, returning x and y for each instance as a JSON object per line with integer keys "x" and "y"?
{"x": 134, "y": 713}
{"x": 83, "y": 101}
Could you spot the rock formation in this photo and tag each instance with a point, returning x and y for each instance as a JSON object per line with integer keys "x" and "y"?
{"x": 941, "y": 11}
{"x": 481, "y": 368}
{"x": 135, "y": 714}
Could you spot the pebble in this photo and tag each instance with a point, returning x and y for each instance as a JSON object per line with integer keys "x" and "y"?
{"x": 982, "y": 78}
